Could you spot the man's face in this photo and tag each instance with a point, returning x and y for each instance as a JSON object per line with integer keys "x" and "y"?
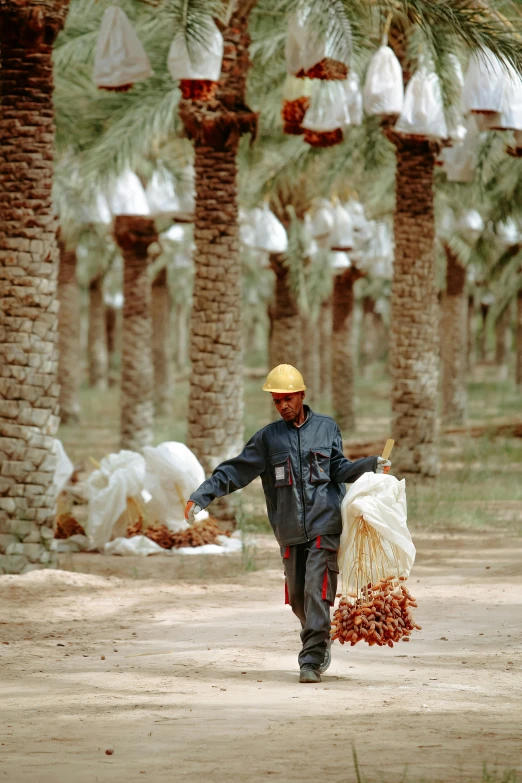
{"x": 289, "y": 405}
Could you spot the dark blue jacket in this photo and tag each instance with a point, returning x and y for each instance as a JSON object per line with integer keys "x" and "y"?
{"x": 303, "y": 470}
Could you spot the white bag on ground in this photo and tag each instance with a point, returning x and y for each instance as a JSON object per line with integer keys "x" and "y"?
{"x": 484, "y": 83}
{"x": 381, "y": 500}
{"x": 172, "y": 473}
{"x": 63, "y": 469}
{"x": 137, "y": 545}
{"x": 120, "y": 476}
{"x": 423, "y": 110}
{"x": 120, "y": 59}
{"x": 205, "y": 62}
{"x": 383, "y": 91}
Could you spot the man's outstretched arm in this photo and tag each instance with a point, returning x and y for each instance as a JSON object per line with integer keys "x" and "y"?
{"x": 342, "y": 470}
{"x": 232, "y": 474}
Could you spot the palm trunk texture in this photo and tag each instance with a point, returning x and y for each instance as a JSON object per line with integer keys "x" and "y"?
{"x": 325, "y": 337}
{"x": 97, "y": 347}
{"x": 311, "y": 364}
{"x": 29, "y": 392}
{"x": 286, "y": 330}
{"x": 343, "y": 365}
{"x": 414, "y": 345}
{"x": 134, "y": 235}
{"x": 454, "y": 342}
{"x": 163, "y": 380}
{"x": 69, "y": 366}
{"x": 502, "y": 342}
{"x": 215, "y": 410}
{"x": 518, "y": 370}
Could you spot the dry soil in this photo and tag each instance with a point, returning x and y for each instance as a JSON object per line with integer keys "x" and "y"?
{"x": 197, "y": 681}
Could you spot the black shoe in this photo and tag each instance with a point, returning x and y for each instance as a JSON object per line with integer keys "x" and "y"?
{"x": 309, "y": 673}
{"x": 327, "y": 657}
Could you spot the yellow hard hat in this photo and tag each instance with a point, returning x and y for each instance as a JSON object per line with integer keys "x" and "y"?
{"x": 284, "y": 378}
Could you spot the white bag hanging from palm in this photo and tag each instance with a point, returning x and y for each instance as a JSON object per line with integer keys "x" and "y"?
{"x": 328, "y": 109}
{"x": 120, "y": 59}
{"x": 202, "y": 62}
{"x": 483, "y": 84}
{"x": 423, "y": 111}
{"x": 383, "y": 91}
{"x": 354, "y": 98}
{"x": 270, "y": 234}
{"x": 306, "y": 46}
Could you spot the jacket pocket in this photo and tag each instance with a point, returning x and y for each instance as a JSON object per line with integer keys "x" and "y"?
{"x": 320, "y": 466}
{"x": 282, "y": 471}
{"x": 330, "y": 579}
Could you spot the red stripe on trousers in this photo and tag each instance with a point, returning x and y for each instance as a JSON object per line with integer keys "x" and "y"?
{"x": 325, "y": 584}
{"x": 318, "y": 542}
{"x": 286, "y": 555}
{"x": 287, "y": 597}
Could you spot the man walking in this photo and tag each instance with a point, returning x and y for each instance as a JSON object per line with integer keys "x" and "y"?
{"x": 303, "y": 469}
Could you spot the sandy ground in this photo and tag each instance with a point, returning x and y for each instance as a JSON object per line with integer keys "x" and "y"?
{"x": 199, "y": 680}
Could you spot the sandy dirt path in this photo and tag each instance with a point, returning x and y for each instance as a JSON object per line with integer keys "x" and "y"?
{"x": 199, "y": 681}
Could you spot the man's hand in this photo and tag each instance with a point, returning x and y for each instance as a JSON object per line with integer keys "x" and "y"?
{"x": 191, "y": 511}
{"x": 383, "y": 465}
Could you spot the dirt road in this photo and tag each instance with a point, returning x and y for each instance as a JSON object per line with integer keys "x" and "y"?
{"x": 198, "y": 682}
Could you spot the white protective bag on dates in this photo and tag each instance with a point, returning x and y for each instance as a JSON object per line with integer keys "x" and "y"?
{"x": 383, "y": 87}
{"x": 423, "y": 111}
{"x": 381, "y": 500}
{"x": 120, "y": 59}
{"x": 204, "y": 59}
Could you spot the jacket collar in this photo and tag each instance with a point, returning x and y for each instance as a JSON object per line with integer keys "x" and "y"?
{"x": 309, "y": 413}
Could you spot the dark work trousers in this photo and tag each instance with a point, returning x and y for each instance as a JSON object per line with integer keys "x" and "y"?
{"x": 311, "y": 582}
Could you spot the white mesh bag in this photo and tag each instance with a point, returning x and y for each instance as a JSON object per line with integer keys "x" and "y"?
{"x": 381, "y": 500}
{"x": 423, "y": 110}
{"x": 383, "y": 91}
{"x": 204, "y": 59}
{"x": 120, "y": 59}
{"x": 268, "y": 233}
{"x": 341, "y": 237}
{"x": 128, "y": 197}
{"x": 484, "y": 83}
{"x": 328, "y": 108}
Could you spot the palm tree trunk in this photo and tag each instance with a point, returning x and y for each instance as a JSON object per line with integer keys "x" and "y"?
{"x": 325, "y": 337}
{"x": 161, "y": 344}
{"x": 98, "y": 356}
{"x": 68, "y": 336}
{"x": 134, "y": 235}
{"x": 215, "y": 414}
{"x": 471, "y": 332}
{"x": 454, "y": 342}
{"x": 483, "y": 332}
{"x": 215, "y": 411}
{"x": 502, "y": 342}
{"x": 518, "y": 371}
{"x": 29, "y": 392}
{"x": 343, "y": 371}
{"x": 111, "y": 330}
{"x": 414, "y": 345}
{"x": 311, "y": 363}
{"x": 286, "y": 338}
